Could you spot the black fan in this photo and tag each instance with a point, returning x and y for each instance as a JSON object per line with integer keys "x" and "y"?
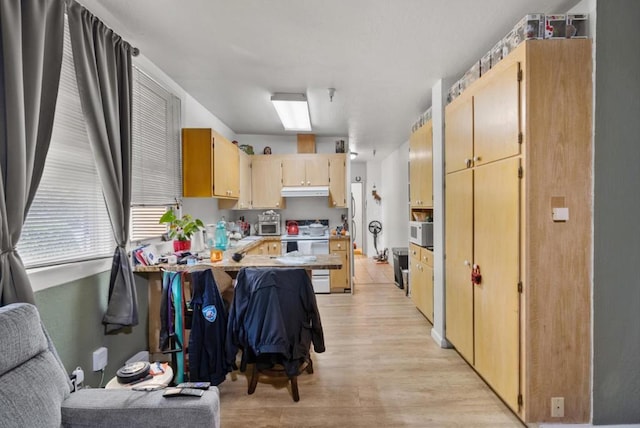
{"x": 375, "y": 227}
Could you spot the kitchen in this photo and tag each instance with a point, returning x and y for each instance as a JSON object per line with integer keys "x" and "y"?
{"x": 210, "y": 212}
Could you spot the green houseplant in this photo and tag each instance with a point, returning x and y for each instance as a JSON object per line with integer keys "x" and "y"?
{"x": 181, "y": 229}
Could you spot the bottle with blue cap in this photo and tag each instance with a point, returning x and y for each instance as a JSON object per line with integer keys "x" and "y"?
{"x": 220, "y": 242}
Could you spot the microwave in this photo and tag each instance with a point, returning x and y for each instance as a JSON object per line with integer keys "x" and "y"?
{"x": 421, "y": 233}
{"x": 269, "y": 228}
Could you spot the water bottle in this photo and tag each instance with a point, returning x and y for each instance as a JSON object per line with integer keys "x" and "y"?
{"x": 221, "y": 236}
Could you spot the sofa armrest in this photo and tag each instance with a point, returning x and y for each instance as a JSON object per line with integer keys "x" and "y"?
{"x": 120, "y": 408}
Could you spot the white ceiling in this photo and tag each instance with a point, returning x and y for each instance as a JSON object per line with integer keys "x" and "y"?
{"x": 381, "y": 56}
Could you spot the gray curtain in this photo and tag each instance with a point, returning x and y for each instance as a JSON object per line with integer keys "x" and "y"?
{"x": 103, "y": 69}
{"x": 31, "y": 40}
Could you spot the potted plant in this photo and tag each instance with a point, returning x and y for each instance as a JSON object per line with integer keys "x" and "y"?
{"x": 181, "y": 229}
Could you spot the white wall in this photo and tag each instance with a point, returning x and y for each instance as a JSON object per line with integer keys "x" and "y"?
{"x": 390, "y": 177}
{"x": 394, "y": 189}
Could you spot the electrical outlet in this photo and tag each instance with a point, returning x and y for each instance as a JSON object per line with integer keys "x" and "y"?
{"x": 557, "y": 407}
{"x": 100, "y": 358}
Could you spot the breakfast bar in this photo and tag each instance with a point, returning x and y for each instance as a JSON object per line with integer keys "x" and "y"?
{"x": 224, "y": 272}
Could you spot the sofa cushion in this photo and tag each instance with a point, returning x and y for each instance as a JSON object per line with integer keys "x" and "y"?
{"x": 33, "y": 383}
{"x": 107, "y": 408}
{"x": 21, "y": 335}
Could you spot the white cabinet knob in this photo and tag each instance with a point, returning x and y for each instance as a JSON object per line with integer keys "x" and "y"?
{"x": 467, "y": 263}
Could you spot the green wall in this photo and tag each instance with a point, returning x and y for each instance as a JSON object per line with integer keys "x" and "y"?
{"x": 616, "y": 293}
{"x": 72, "y": 314}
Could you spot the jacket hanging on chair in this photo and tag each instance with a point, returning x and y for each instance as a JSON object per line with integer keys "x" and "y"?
{"x": 207, "y": 360}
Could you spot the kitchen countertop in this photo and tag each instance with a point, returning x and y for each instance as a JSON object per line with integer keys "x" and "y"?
{"x": 323, "y": 261}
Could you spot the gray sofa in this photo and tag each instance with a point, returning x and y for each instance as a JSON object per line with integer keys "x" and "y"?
{"x": 35, "y": 390}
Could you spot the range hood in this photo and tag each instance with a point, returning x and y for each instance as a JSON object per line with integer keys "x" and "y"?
{"x": 304, "y": 191}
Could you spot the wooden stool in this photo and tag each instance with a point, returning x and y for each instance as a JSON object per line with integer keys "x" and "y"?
{"x": 277, "y": 370}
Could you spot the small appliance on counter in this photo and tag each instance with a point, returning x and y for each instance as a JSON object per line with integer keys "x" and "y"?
{"x": 269, "y": 223}
{"x": 292, "y": 227}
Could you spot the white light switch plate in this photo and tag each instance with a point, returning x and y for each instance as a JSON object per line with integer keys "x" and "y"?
{"x": 560, "y": 214}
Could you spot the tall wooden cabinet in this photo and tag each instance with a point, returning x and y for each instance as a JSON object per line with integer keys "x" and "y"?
{"x": 210, "y": 164}
{"x": 518, "y": 147}
{"x": 421, "y": 167}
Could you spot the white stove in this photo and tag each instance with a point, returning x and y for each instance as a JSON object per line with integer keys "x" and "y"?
{"x": 308, "y": 244}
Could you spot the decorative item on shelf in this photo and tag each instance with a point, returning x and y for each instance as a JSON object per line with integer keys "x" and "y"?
{"x": 340, "y": 146}
{"x": 266, "y": 151}
{"x": 181, "y": 229}
{"x": 248, "y": 149}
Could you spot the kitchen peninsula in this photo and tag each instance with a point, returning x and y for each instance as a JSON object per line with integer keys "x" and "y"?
{"x": 224, "y": 271}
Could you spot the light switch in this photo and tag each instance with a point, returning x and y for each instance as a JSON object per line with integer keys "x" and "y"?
{"x": 560, "y": 214}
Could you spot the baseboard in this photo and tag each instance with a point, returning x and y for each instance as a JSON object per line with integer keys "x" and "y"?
{"x": 441, "y": 341}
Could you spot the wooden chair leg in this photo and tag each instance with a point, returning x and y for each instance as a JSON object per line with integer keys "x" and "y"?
{"x": 254, "y": 380}
{"x": 294, "y": 388}
{"x": 309, "y": 368}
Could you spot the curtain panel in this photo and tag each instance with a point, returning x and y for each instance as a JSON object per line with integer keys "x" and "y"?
{"x": 104, "y": 72}
{"x": 31, "y": 43}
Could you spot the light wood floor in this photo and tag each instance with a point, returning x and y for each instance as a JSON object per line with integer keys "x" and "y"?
{"x": 380, "y": 369}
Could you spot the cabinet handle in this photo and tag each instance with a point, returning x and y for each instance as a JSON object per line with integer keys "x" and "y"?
{"x": 334, "y": 203}
{"x": 467, "y": 263}
{"x": 277, "y": 204}
{"x": 476, "y": 158}
{"x": 302, "y": 183}
{"x": 467, "y": 162}
{"x": 308, "y": 183}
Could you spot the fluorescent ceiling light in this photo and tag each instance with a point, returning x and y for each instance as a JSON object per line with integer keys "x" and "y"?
{"x": 293, "y": 111}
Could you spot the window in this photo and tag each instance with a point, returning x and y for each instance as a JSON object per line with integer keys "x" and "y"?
{"x": 156, "y": 181}
{"x": 68, "y": 219}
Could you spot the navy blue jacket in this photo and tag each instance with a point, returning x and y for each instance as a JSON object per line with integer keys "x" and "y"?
{"x": 274, "y": 311}
{"x": 207, "y": 361}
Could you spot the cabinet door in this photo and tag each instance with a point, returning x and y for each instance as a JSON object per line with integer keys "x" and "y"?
{"x": 266, "y": 182}
{"x": 496, "y": 298}
{"x": 340, "y": 277}
{"x": 459, "y": 256}
{"x": 226, "y": 167}
{"x": 317, "y": 170}
{"x": 293, "y": 171}
{"x": 415, "y": 167}
{"x": 428, "y": 291}
{"x": 274, "y": 248}
{"x": 496, "y": 113}
{"x": 197, "y": 162}
{"x": 337, "y": 181}
{"x": 244, "y": 200}
{"x": 458, "y": 134}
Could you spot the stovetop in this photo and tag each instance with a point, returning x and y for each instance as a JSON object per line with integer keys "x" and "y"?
{"x": 303, "y": 231}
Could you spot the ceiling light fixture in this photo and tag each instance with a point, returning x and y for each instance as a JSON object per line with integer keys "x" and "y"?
{"x": 293, "y": 111}
{"x": 353, "y": 155}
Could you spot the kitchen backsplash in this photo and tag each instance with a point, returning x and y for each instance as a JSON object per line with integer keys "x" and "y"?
{"x": 206, "y": 209}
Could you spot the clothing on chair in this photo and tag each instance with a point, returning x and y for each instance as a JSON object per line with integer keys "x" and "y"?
{"x": 207, "y": 361}
{"x": 274, "y": 311}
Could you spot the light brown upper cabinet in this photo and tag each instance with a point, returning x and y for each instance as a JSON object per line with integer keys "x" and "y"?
{"x": 421, "y": 167}
{"x": 210, "y": 164}
{"x": 337, "y": 180}
{"x": 305, "y": 170}
{"x": 266, "y": 182}
{"x": 517, "y": 292}
{"x": 244, "y": 200}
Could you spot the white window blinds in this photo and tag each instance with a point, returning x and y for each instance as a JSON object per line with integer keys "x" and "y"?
{"x": 68, "y": 219}
{"x": 156, "y": 180}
